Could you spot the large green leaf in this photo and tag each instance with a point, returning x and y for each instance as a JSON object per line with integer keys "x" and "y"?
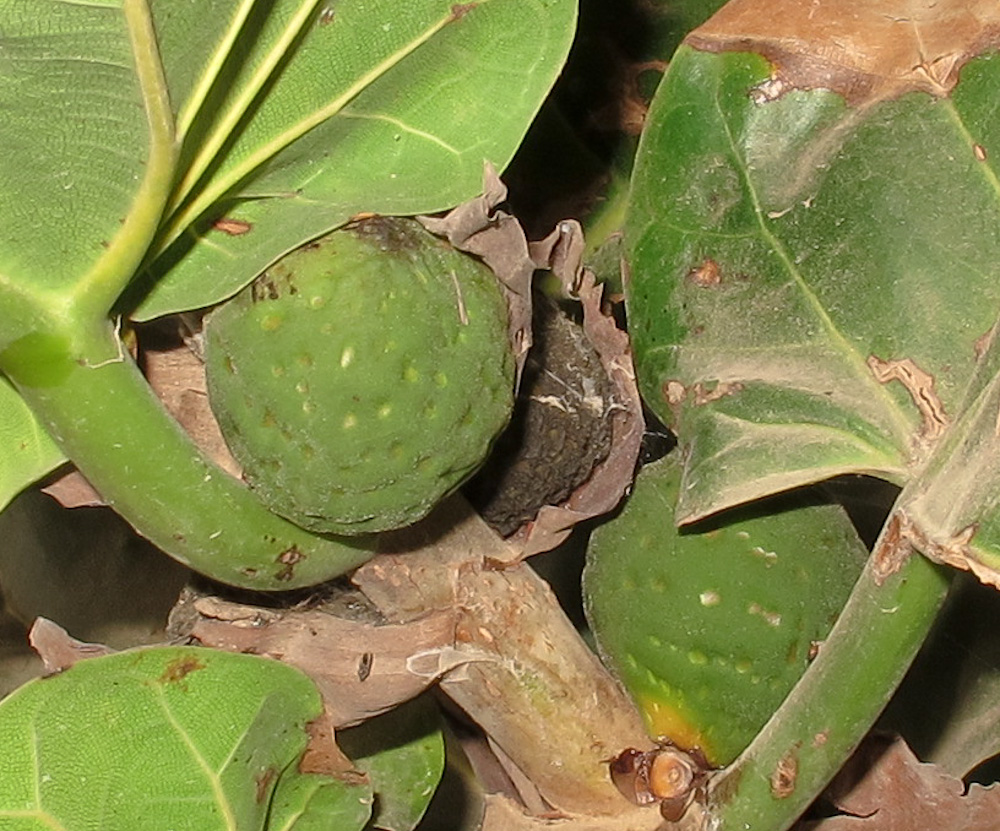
{"x": 811, "y": 278}
{"x": 87, "y": 155}
{"x": 382, "y": 106}
{"x": 176, "y": 737}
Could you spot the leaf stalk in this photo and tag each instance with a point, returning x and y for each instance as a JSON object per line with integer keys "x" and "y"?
{"x": 91, "y": 397}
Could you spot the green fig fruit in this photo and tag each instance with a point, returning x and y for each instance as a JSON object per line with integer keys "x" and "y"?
{"x": 710, "y": 631}
{"x": 363, "y": 377}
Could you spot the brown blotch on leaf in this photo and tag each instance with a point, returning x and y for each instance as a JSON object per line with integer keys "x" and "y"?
{"x": 785, "y": 774}
{"x": 460, "y": 10}
{"x": 674, "y": 392}
{"x": 706, "y": 395}
{"x": 263, "y": 782}
{"x": 893, "y": 550}
{"x": 232, "y": 227}
{"x": 288, "y": 558}
{"x": 706, "y": 275}
{"x": 983, "y": 342}
{"x": 864, "y": 51}
{"x": 179, "y": 669}
{"x": 920, "y": 385}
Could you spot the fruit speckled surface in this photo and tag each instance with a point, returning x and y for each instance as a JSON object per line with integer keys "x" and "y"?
{"x": 710, "y": 631}
{"x": 362, "y": 377}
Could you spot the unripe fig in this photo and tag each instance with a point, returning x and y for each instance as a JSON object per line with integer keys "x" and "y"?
{"x": 363, "y": 377}
{"x": 710, "y": 629}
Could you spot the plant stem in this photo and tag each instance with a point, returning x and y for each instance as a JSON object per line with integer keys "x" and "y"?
{"x": 519, "y": 668}
{"x": 97, "y": 406}
{"x": 859, "y": 666}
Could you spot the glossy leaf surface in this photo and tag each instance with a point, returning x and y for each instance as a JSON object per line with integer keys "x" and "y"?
{"x": 382, "y": 107}
{"x": 811, "y": 280}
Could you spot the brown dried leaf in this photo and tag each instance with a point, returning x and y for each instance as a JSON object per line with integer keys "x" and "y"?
{"x": 884, "y": 787}
{"x": 562, "y": 252}
{"x": 72, "y": 490}
{"x": 497, "y": 238}
{"x": 362, "y": 669}
{"x": 177, "y": 376}
{"x": 322, "y": 755}
{"x": 865, "y": 51}
{"x": 57, "y": 649}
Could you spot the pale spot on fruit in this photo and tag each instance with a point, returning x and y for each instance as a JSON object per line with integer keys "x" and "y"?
{"x": 430, "y": 410}
{"x": 277, "y": 371}
{"x": 440, "y": 379}
{"x": 270, "y": 322}
{"x": 709, "y": 598}
{"x": 697, "y": 658}
{"x": 346, "y": 357}
{"x": 302, "y": 387}
{"x": 305, "y": 360}
{"x": 385, "y": 411}
{"x": 411, "y": 373}
{"x": 317, "y": 301}
{"x": 771, "y": 618}
{"x": 350, "y": 420}
{"x": 743, "y": 666}
{"x": 308, "y": 407}
{"x": 396, "y": 450}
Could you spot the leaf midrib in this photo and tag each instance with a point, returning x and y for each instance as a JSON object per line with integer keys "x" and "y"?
{"x": 855, "y": 359}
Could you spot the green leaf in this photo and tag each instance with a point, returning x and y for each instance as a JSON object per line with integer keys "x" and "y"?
{"x": 310, "y": 802}
{"x": 87, "y": 155}
{"x": 382, "y": 107}
{"x": 176, "y": 737}
{"x": 28, "y": 451}
{"x": 710, "y": 631}
{"x": 402, "y": 752}
{"x": 810, "y": 278}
